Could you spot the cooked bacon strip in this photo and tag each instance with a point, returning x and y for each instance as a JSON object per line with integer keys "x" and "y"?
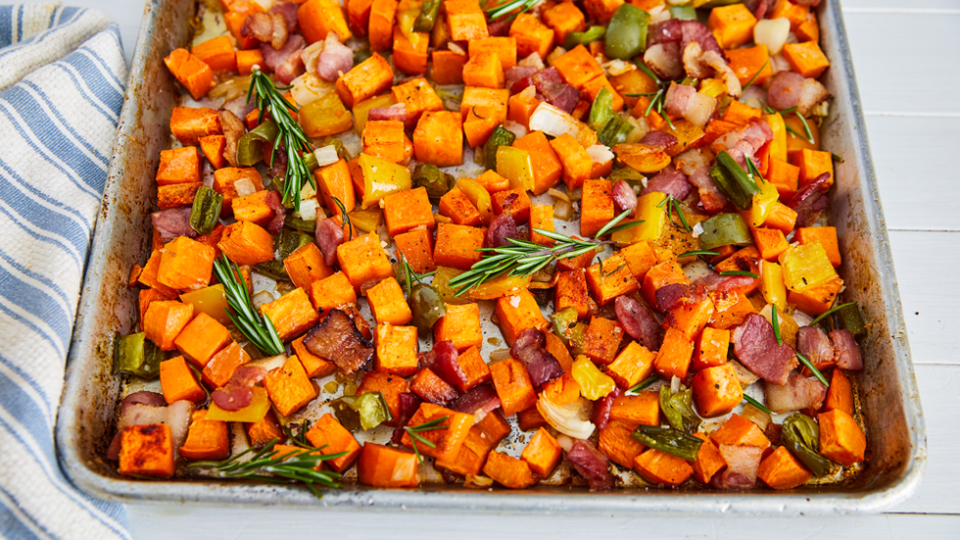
{"x": 814, "y": 343}
{"x": 789, "y": 89}
{"x": 407, "y": 405}
{"x": 638, "y": 322}
{"x": 516, "y": 74}
{"x": 799, "y": 393}
{"x": 659, "y": 138}
{"x": 557, "y": 93}
{"x": 275, "y": 202}
{"x": 289, "y": 12}
{"x": 810, "y": 201}
{"x": 591, "y": 464}
{"x": 480, "y": 399}
{"x": 664, "y": 60}
{"x": 172, "y": 223}
{"x": 233, "y": 129}
{"x": 388, "y": 113}
{"x": 847, "y": 350}
{"x": 624, "y": 197}
{"x": 602, "y": 408}
{"x": 541, "y": 365}
{"x": 503, "y": 226}
{"x": 442, "y": 360}
{"x": 335, "y": 59}
{"x": 742, "y": 464}
{"x": 671, "y": 181}
{"x": 329, "y": 235}
{"x": 337, "y": 340}
{"x": 756, "y": 347}
{"x": 696, "y": 165}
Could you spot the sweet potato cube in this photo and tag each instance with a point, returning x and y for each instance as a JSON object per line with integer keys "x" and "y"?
{"x": 313, "y": 365}
{"x": 530, "y": 419}
{"x": 448, "y": 66}
{"x": 396, "y": 349}
{"x": 289, "y": 387}
{"x": 213, "y": 147}
{"x": 383, "y": 466}
{"x": 438, "y": 138}
{"x": 517, "y": 313}
{"x": 512, "y": 382}
{"x": 509, "y": 471}
{"x": 564, "y": 17}
{"x": 369, "y": 78}
{"x": 457, "y": 245}
{"x": 795, "y": 13}
{"x": 541, "y": 217}
{"x": 577, "y": 163}
{"x": 188, "y": 124}
{"x": 177, "y": 195}
{"x": 201, "y": 339}
{"x": 474, "y": 367}
{"x": 711, "y": 348}
{"x": 732, "y": 25}
{"x": 147, "y": 450}
{"x": 769, "y": 242}
{"x": 615, "y": 441}
{"x": 840, "y": 393}
{"x": 381, "y": 18}
{"x": 417, "y": 97}
{"x": 503, "y": 47}
{"x": 386, "y": 140}
{"x": 222, "y": 365}
{"x": 749, "y": 63}
{"x": 388, "y": 303}
{"x": 179, "y": 166}
{"x": 542, "y": 453}
{"x": 806, "y": 58}
{"x": 217, "y": 53}
{"x": 410, "y": 52}
{"x": 406, "y": 210}
{"x": 390, "y": 387}
{"x": 264, "y": 431}
{"x": 246, "y": 243}
{"x": 207, "y": 439}
{"x": 738, "y": 431}
{"x": 812, "y": 163}
{"x": 602, "y": 340}
{"x": 178, "y": 382}
{"x": 461, "y": 325}
{"x": 466, "y": 20}
{"x": 641, "y": 409}
{"x": 484, "y": 70}
{"x": 841, "y": 439}
{"x": 247, "y": 59}
{"x": 657, "y": 467}
{"x": 195, "y": 75}
{"x": 826, "y": 236}
{"x": 640, "y": 258}
{"x": 332, "y": 291}
{"x": 660, "y": 275}
{"x": 632, "y": 365}
{"x": 253, "y": 208}
{"x": 457, "y": 206}
{"x": 317, "y": 18}
{"x": 611, "y": 278}
{"x": 518, "y": 205}
{"x": 780, "y": 470}
{"x": 578, "y": 67}
{"x": 532, "y": 36}
{"x": 292, "y": 314}
{"x": 332, "y": 438}
{"x": 673, "y": 358}
{"x": 417, "y": 247}
{"x": 429, "y": 386}
{"x": 164, "y": 320}
{"x": 482, "y": 437}
{"x": 596, "y": 206}
{"x": 363, "y": 259}
{"x": 492, "y": 101}
{"x": 691, "y": 317}
{"x": 709, "y": 460}
{"x": 571, "y": 292}
{"x": 186, "y": 264}
{"x": 447, "y": 441}
{"x": 225, "y": 180}
{"x": 306, "y": 265}
{"x": 716, "y": 390}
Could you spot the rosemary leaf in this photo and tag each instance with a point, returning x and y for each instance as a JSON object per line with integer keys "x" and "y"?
{"x": 739, "y": 273}
{"x": 257, "y": 328}
{"x": 756, "y": 404}
{"x": 829, "y": 312}
{"x": 699, "y": 252}
{"x": 634, "y": 390}
{"x": 776, "y": 326}
{"x": 816, "y": 372}
{"x": 755, "y": 75}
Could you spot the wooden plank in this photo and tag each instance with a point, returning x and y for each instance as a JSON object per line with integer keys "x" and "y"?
{"x": 894, "y": 56}
{"x": 925, "y": 264}
{"x": 916, "y": 165}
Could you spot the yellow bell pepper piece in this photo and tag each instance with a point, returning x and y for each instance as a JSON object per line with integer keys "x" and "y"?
{"x": 501, "y": 286}
{"x": 210, "y": 300}
{"x": 654, "y": 220}
{"x": 806, "y": 266}
{"x": 325, "y": 116}
{"x": 361, "y": 111}
{"x": 252, "y": 413}
{"x": 479, "y": 196}
{"x": 514, "y": 164}
{"x": 778, "y": 146}
{"x": 771, "y": 285}
{"x": 366, "y": 220}
{"x": 381, "y": 178}
{"x": 594, "y": 384}
{"x": 763, "y": 204}
{"x": 713, "y": 87}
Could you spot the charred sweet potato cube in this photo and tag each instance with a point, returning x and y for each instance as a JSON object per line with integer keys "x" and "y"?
{"x": 461, "y": 325}
{"x": 177, "y": 195}
{"x": 602, "y": 340}
{"x": 429, "y": 386}
{"x": 457, "y": 245}
{"x": 611, "y": 278}
{"x": 147, "y": 450}
{"x": 615, "y": 441}
{"x": 530, "y": 419}
{"x": 264, "y": 431}
{"x": 632, "y": 365}
{"x": 517, "y": 313}
{"x": 289, "y": 387}
{"x": 512, "y": 382}
{"x": 571, "y": 292}
{"x": 178, "y": 382}
{"x": 447, "y": 441}
{"x": 332, "y": 291}
{"x": 363, "y": 259}
{"x": 339, "y": 339}
{"x": 292, "y": 314}
{"x": 207, "y": 439}
{"x": 397, "y": 349}
{"x": 509, "y": 471}
{"x": 201, "y": 339}
{"x": 474, "y": 367}
{"x": 417, "y": 248}
{"x": 332, "y": 438}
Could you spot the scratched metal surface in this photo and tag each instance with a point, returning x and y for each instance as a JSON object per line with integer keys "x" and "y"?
{"x": 890, "y": 407}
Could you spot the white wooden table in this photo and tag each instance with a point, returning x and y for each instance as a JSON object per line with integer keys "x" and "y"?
{"x": 907, "y": 56}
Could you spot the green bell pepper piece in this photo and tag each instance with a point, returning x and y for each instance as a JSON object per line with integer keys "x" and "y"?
{"x": 725, "y": 230}
{"x": 250, "y": 146}
{"x": 627, "y": 33}
{"x": 594, "y": 33}
{"x": 669, "y": 441}
{"x": 562, "y": 322}
{"x": 499, "y": 137}
{"x": 427, "y": 307}
{"x": 801, "y": 436}
{"x": 685, "y": 12}
{"x": 678, "y": 408}
{"x": 284, "y": 244}
{"x": 136, "y": 355}
{"x": 851, "y": 319}
{"x": 371, "y": 407}
{"x": 429, "y": 11}
{"x": 437, "y": 182}
{"x": 205, "y": 213}
{"x": 733, "y": 181}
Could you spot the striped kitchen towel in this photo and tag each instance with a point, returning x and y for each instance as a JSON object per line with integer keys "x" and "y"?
{"x": 62, "y": 78}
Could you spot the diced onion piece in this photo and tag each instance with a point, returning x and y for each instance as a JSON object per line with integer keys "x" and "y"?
{"x": 700, "y": 109}
{"x": 600, "y": 154}
{"x": 308, "y": 209}
{"x": 477, "y": 481}
{"x": 565, "y": 442}
{"x": 456, "y": 48}
{"x": 263, "y": 297}
{"x": 533, "y": 60}
{"x": 308, "y": 88}
{"x": 755, "y": 415}
{"x": 772, "y": 33}
{"x": 499, "y": 354}
{"x": 640, "y": 129}
{"x": 555, "y": 122}
{"x": 244, "y": 187}
{"x": 308, "y": 191}
{"x": 744, "y": 375}
{"x": 556, "y": 193}
{"x": 557, "y": 53}
{"x": 562, "y": 210}
{"x": 326, "y": 155}
{"x": 515, "y": 128}
{"x": 270, "y": 363}
{"x": 566, "y": 418}
{"x": 617, "y": 67}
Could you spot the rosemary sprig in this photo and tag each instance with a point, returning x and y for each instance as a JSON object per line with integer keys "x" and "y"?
{"x": 266, "y": 466}
{"x": 255, "y": 327}
{"x": 829, "y": 312}
{"x": 776, "y": 325}
{"x": 522, "y": 257}
{"x": 410, "y": 275}
{"x": 673, "y": 205}
{"x": 816, "y": 372}
{"x": 658, "y": 101}
{"x": 298, "y": 437}
{"x": 699, "y": 252}
{"x": 291, "y": 135}
{"x": 756, "y": 404}
{"x": 755, "y": 75}
{"x": 634, "y": 390}
{"x": 499, "y": 11}
{"x": 415, "y": 432}
{"x": 739, "y": 273}
{"x": 753, "y": 171}
{"x": 836, "y": 157}
{"x": 347, "y": 224}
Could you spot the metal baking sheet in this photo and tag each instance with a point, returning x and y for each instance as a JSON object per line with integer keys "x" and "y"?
{"x": 890, "y": 404}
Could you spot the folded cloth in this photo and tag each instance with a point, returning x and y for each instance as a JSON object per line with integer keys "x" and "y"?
{"x": 62, "y": 78}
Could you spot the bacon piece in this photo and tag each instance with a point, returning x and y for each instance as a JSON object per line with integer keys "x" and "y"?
{"x": 176, "y": 415}
{"x": 784, "y": 91}
{"x": 482, "y": 397}
{"x": 638, "y": 322}
{"x": 275, "y": 202}
{"x": 233, "y": 129}
{"x": 671, "y": 181}
{"x": 757, "y": 7}
{"x": 624, "y": 197}
{"x": 274, "y": 57}
{"x": 516, "y": 74}
{"x": 847, "y": 350}
{"x": 774, "y": 433}
{"x": 799, "y": 393}
{"x": 503, "y": 226}
{"x": 259, "y": 26}
{"x": 602, "y": 408}
{"x": 499, "y": 27}
{"x": 672, "y": 296}
{"x": 685, "y": 101}
{"x": 292, "y": 68}
{"x": 335, "y": 59}
{"x": 755, "y": 345}
{"x": 669, "y": 31}
{"x": 289, "y": 12}
{"x": 700, "y": 63}
{"x": 388, "y": 113}
{"x": 697, "y": 31}
{"x": 811, "y": 3}
{"x": 238, "y": 392}
{"x": 659, "y": 138}
{"x": 696, "y": 165}
{"x": 742, "y": 464}
{"x": 329, "y": 235}
{"x": 664, "y": 60}
{"x": 744, "y": 142}
{"x": 442, "y": 360}
{"x": 556, "y": 92}
{"x": 144, "y": 397}
{"x": 337, "y": 340}
{"x": 541, "y": 365}
{"x": 172, "y": 223}
{"x": 407, "y": 405}
{"x": 814, "y": 343}
{"x": 810, "y": 201}
{"x": 591, "y": 464}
